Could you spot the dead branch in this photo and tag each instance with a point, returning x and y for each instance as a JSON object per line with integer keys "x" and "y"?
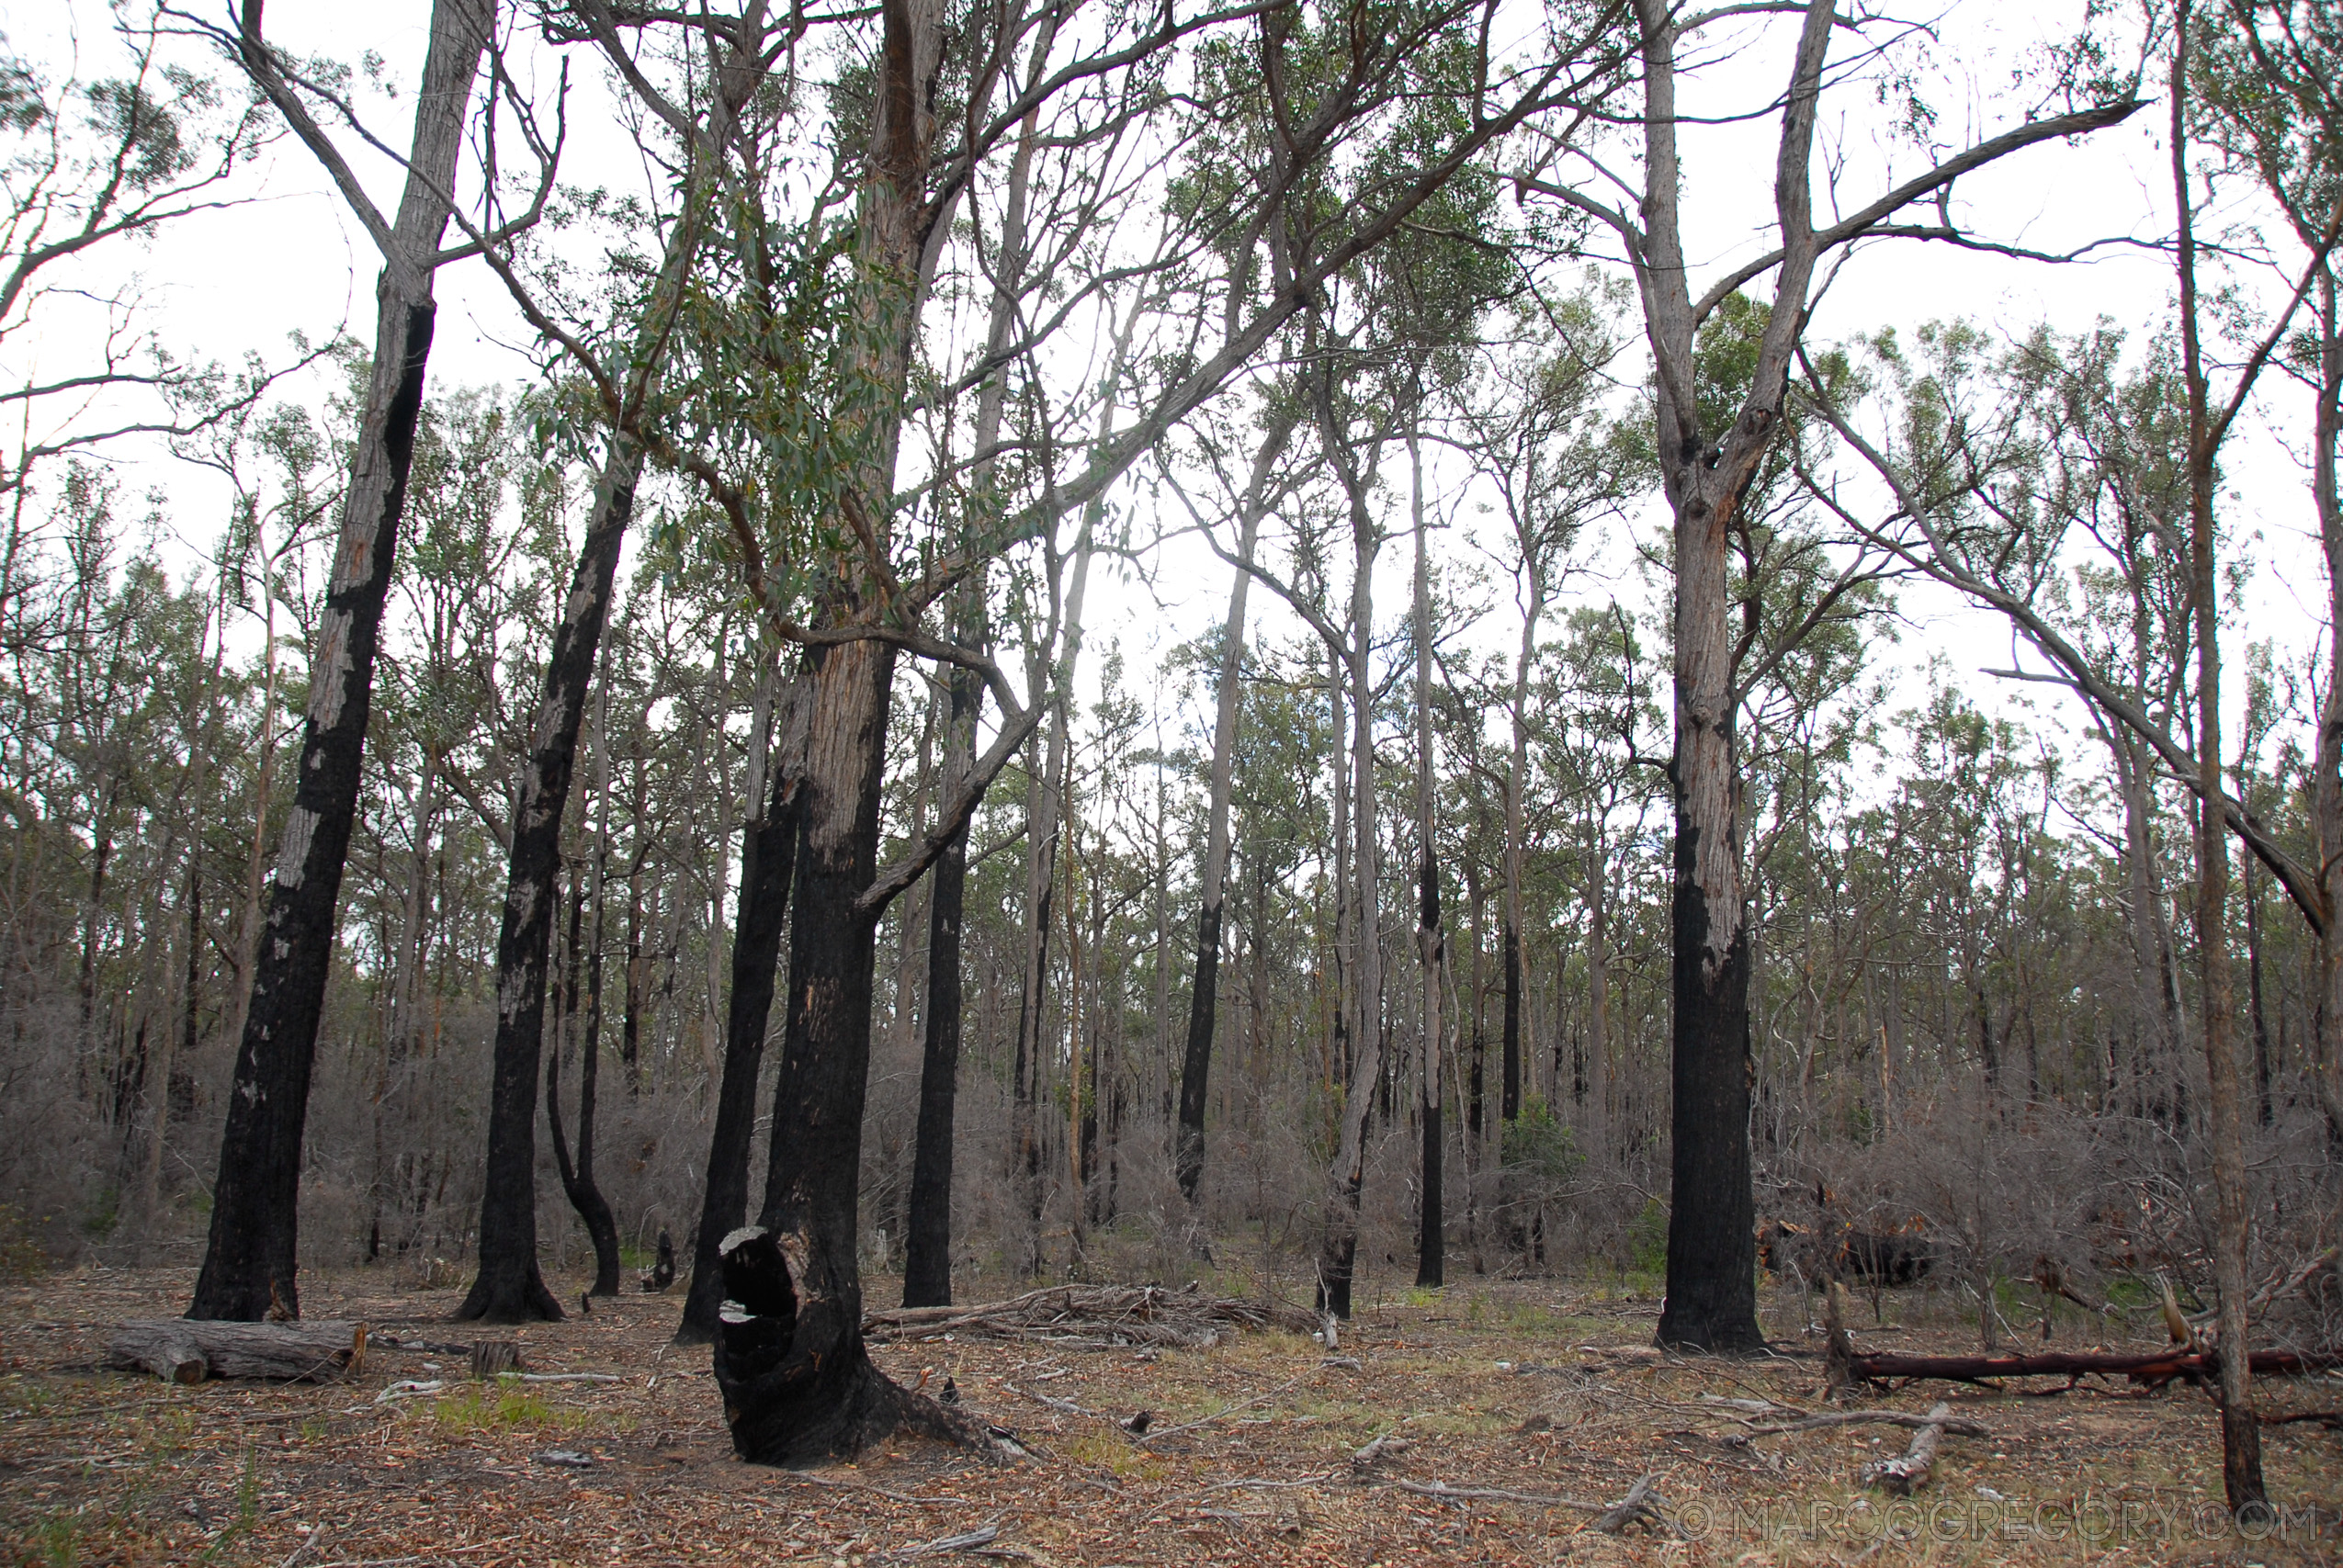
{"x": 1640, "y": 1502}
{"x": 2152, "y": 1367}
{"x": 1872, "y": 1418}
{"x": 1448, "y": 1494}
{"x": 1908, "y": 1471}
{"x": 1098, "y": 1315}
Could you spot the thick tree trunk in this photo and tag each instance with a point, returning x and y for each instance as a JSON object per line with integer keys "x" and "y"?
{"x": 508, "y": 1288}
{"x": 768, "y": 856}
{"x": 250, "y": 1256}
{"x": 835, "y": 1401}
{"x": 1712, "y": 1228}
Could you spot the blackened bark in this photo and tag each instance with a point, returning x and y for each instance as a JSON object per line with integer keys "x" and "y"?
{"x": 577, "y": 1180}
{"x": 1431, "y": 1243}
{"x": 819, "y": 1397}
{"x": 927, "y": 1258}
{"x": 1195, "y": 1066}
{"x": 1712, "y": 1229}
{"x": 254, "y": 1213}
{"x": 255, "y": 1216}
{"x": 508, "y": 1288}
{"x": 768, "y": 857}
{"x": 1510, "y": 1101}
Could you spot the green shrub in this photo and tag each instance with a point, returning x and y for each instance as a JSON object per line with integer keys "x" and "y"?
{"x": 1647, "y": 1236}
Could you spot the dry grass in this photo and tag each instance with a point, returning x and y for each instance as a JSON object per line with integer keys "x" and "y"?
{"x": 103, "y": 1468}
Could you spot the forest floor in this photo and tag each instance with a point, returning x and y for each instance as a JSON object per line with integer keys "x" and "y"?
{"x": 1542, "y": 1387}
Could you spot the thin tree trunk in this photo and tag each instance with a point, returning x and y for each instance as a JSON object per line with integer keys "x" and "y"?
{"x": 768, "y": 858}
{"x": 1041, "y": 880}
{"x": 1197, "y": 1065}
{"x": 1432, "y": 952}
{"x": 2240, "y": 1431}
{"x": 509, "y": 1288}
{"x": 927, "y": 1259}
{"x": 578, "y": 1183}
{"x": 250, "y": 1257}
{"x": 2327, "y": 785}
{"x": 1339, "y": 1250}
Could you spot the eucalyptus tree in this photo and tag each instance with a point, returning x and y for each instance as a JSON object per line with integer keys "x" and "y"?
{"x": 2269, "y": 95}
{"x": 811, "y": 1389}
{"x": 1258, "y": 495}
{"x": 1706, "y": 466}
{"x": 249, "y": 1263}
{"x": 1535, "y": 429}
{"x": 92, "y": 167}
{"x": 722, "y": 143}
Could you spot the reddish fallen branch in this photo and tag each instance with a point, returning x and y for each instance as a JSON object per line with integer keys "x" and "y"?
{"x": 2153, "y": 1368}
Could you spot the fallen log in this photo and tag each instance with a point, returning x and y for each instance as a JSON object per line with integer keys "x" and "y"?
{"x": 1091, "y": 1314}
{"x": 1908, "y": 1471}
{"x": 187, "y": 1350}
{"x": 2152, "y": 1368}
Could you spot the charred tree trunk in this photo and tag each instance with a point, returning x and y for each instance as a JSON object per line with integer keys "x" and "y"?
{"x": 927, "y": 1259}
{"x": 1711, "y": 1226}
{"x": 1431, "y": 948}
{"x": 250, "y": 1256}
{"x": 1196, "y": 1064}
{"x": 768, "y": 857}
{"x": 821, "y": 1397}
{"x": 578, "y": 1182}
{"x": 508, "y": 1288}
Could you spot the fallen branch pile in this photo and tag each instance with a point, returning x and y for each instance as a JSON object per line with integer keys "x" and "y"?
{"x": 1095, "y": 1315}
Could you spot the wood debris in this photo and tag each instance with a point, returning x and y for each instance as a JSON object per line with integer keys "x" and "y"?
{"x": 1095, "y": 1315}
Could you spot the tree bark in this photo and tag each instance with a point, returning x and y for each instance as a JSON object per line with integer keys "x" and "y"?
{"x": 1338, "y": 1252}
{"x": 927, "y": 1261}
{"x": 2241, "y": 1470}
{"x": 250, "y": 1254}
{"x": 508, "y": 1288}
{"x": 1195, "y": 1065}
{"x": 768, "y": 858}
{"x": 1431, "y": 946}
{"x": 1711, "y": 1227}
{"x": 578, "y": 1182}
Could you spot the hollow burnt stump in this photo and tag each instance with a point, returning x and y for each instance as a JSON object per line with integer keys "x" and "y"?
{"x": 799, "y": 1386}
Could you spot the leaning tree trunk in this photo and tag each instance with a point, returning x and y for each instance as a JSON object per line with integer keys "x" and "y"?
{"x": 508, "y": 1288}
{"x": 768, "y": 856}
{"x": 1195, "y": 1066}
{"x": 1431, "y": 943}
{"x": 249, "y": 1258}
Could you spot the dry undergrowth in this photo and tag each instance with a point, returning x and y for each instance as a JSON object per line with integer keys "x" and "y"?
{"x": 1534, "y": 1387}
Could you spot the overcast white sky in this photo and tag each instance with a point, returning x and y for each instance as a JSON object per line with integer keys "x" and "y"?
{"x": 292, "y": 259}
